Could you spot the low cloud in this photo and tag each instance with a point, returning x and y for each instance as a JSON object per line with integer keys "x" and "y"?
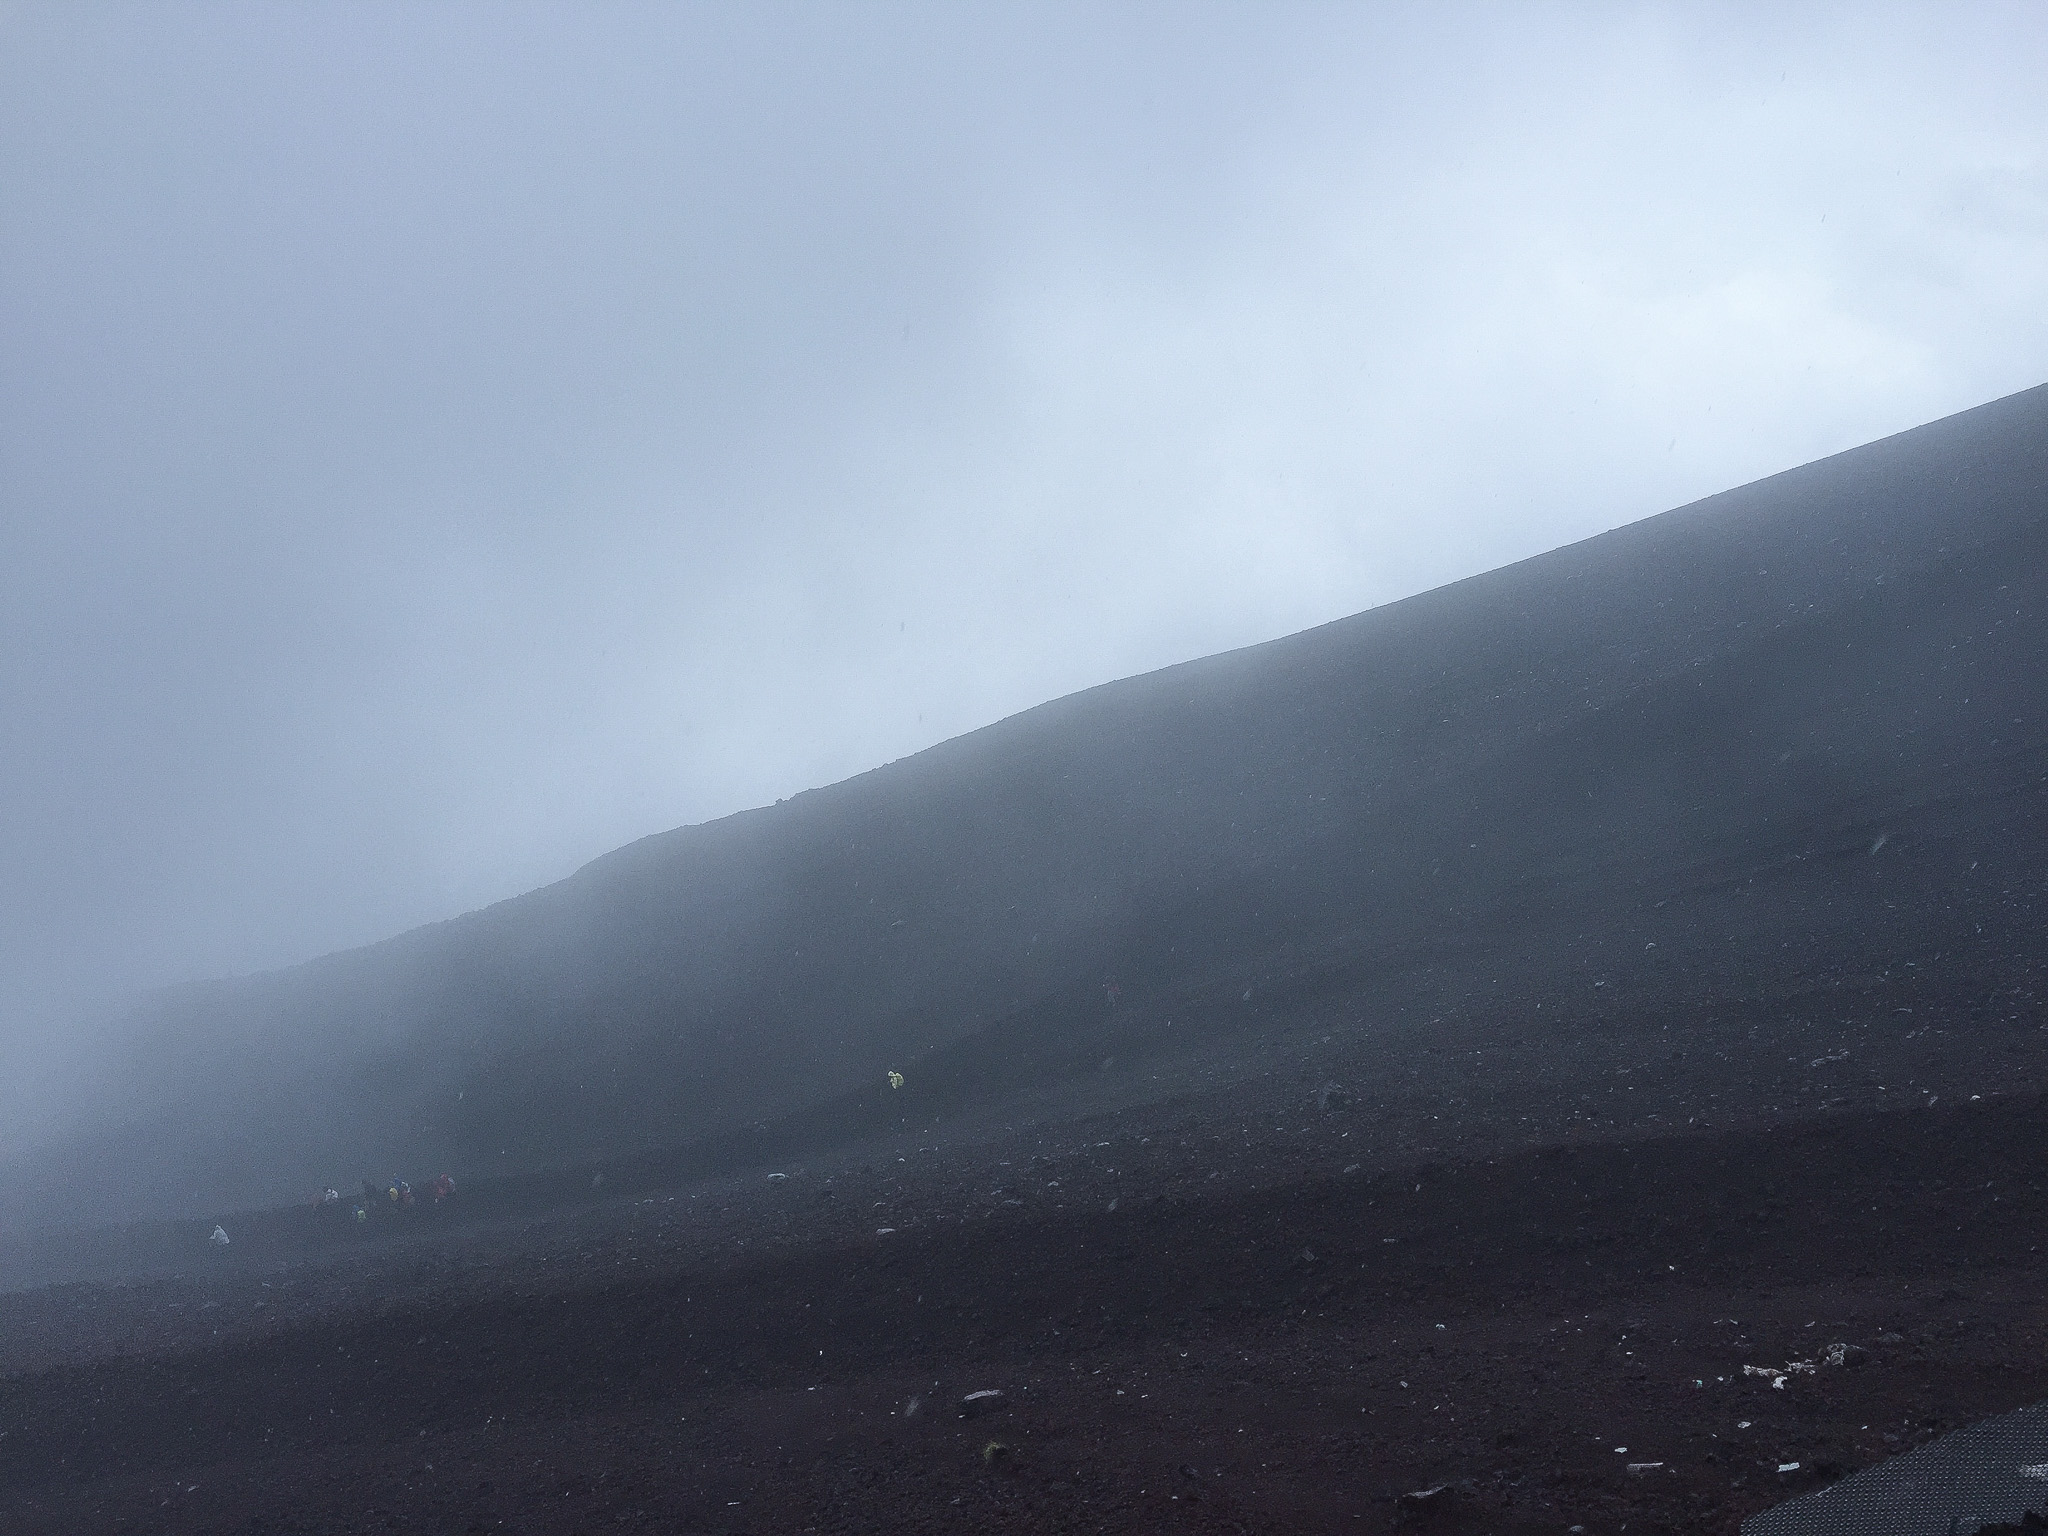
{"x": 438, "y": 446}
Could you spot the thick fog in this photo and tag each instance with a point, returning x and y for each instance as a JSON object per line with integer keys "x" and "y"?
{"x": 439, "y": 444}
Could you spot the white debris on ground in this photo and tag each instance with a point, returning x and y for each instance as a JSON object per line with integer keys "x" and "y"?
{"x": 1834, "y": 1354}
{"x": 1780, "y": 1374}
{"x": 219, "y": 1236}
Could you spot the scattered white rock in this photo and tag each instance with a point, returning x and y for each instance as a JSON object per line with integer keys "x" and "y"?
{"x": 1780, "y": 1374}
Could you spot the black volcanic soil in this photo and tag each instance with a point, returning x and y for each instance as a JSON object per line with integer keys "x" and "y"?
{"x": 1666, "y": 911}
{"x": 1243, "y": 1308}
{"x": 1784, "y": 738}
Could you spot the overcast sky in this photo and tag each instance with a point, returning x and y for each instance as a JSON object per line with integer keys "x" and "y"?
{"x": 440, "y": 443}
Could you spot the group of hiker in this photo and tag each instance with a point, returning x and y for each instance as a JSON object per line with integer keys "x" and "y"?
{"x": 393, "y": 1195}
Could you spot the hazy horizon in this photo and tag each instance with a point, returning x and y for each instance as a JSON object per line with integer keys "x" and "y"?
{"x": 442, "y": 446}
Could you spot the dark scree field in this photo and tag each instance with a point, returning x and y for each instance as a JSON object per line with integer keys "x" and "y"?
{"x": 1563, "y": 1051}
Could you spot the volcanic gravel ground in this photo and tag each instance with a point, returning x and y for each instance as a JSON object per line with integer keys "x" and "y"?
{"x": 1532, "y": 1284}
{"x": 1566, "y": 1051}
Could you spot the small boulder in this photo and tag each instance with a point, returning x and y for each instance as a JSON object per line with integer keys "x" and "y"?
{"x": 1424, "y": 1503}
{"x": 976, "y": 1403}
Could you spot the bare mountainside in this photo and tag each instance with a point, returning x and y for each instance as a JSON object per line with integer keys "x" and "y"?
{"x": 1563, "y": 1053}
{"x": 1787, "y": 742}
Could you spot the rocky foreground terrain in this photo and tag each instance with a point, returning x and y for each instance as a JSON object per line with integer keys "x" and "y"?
{"x": 1627, "y": 1282}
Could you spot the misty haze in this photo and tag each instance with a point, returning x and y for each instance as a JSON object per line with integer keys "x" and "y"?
{"x": 1123, "y": 769}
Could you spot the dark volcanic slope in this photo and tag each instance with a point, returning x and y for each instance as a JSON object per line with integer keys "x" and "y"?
{"x": 1668, "y": 910}
{"x": 1199, "y": 1323}
{"x": 1582, "y": 776}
